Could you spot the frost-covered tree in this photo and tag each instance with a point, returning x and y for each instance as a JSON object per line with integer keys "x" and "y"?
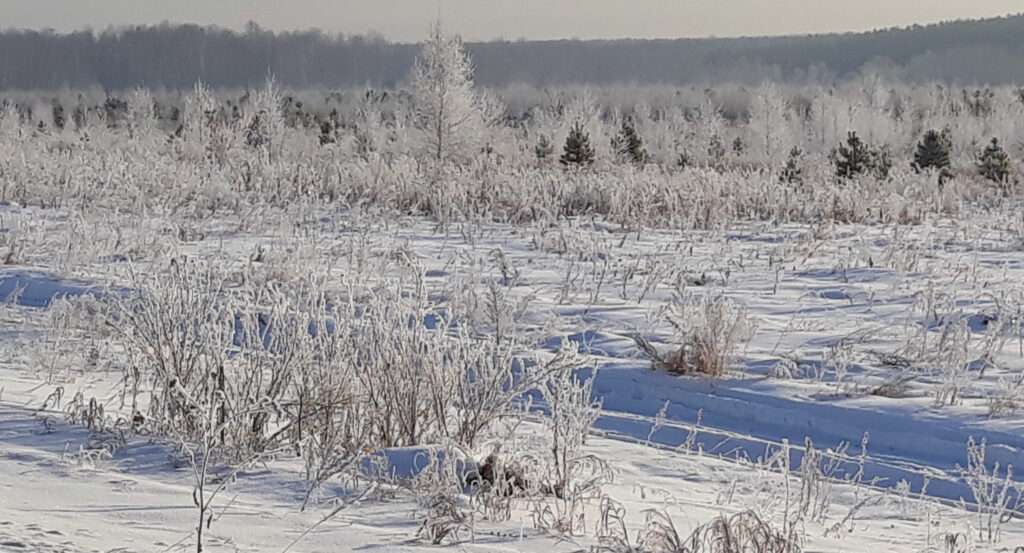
{"x": 852, "y": 158}
{"x": 708, "y": 128}
{"x": 577, "y": 152}
{"x": 881, "y": 162}
{"x": 10, "y": 127}
{"x": 200, "y": 109}
{"x": 855, "y": 158}
{"x": 716, "y": 149}
{"x": 738, "y": 146}
{"x": 544, "y": 148}
{"x": 628, "y": 145}
{"x": 449, "y": 112}
{"x": 793, "y": 172}
{"x": 266, "y": 124}
{"x": 768, "y": 122}
{"x": 933, "y": 154}
{"x": 59, "y": 118}
{"x": 683, "y": 161}
{"x": 994, "y": 163}
{"x": 141, "y": 114}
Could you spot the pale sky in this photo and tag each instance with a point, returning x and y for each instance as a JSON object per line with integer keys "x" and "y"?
{"x": 407, "y": 20}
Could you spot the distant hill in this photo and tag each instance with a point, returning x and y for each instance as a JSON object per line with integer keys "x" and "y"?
{"x": 175, "y": 56}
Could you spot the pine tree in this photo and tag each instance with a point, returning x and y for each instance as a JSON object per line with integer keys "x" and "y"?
{"x": 716, "y": 150}
{"x": 933, "y": 154}
{"x": 683, "y": 161}
{"x": 364, "y": 145}
{"x": 78, "y": 117}
{"x": 115, "y": 110}
{"x": 793, "y": 173}
{"x": 255, "y": 131}
{"x": 738, "y": 146}
{"x": 628, "y": 144}
{"x": 856, "y": 158}
{"x": 544, "y": 148}
{"x": 58, "y": 114}
{"x": 578, "y": 151}
{"x": 449, "y": 113}
{"x": 881, "y": 163}
{"x": 994, "y": 163}
{"x": 327, "y": 133}
{"x": 853, "y": 158}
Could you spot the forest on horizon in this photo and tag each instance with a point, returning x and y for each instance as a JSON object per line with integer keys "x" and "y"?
{"x": 174, "y": 56}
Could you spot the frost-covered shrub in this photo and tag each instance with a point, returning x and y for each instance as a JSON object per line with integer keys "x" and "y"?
{"x": 708, "y": 330}
{"x": 744, "y": 532}
{"x": 563, "y": 478}
{"x": 997, "y": 497}
{"x": 283, "y": 365}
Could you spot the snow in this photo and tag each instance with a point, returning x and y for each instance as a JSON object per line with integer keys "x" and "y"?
{"x": 139, "y": 500}
{"x": 689, "y": 446}
{"x": 40, "y": 289}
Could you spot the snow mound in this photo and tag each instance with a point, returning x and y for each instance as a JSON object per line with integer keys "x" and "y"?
{"x": 38, "y": 289}
{"x": 409, "y": 463}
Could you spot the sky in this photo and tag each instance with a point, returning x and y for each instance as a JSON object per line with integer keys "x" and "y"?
{"x": 407, "y": 20}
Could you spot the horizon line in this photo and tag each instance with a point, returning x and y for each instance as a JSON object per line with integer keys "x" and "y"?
{"x": 379, "y": 36}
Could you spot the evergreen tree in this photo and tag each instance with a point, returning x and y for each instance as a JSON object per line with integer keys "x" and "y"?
{"x": 933, "y": 154}
{"x": 683, "y": 161}
{"x": 881, "y": 163}
{"x": 78, "y": 117}
{"x": 994, "y": 163}
{"x": 738, "y": 146}
{"x": 628, "y": 145}
{"x": 544, "y": 148}
{"x": 327, "y": 133}
{"x": 853, "y": 158}
{"x": 856, "y": 158}
{"x": 716, "y": 150}
{"x": 793, "y": 173}
{"x": 979, "y": 103}
{"x": 58, "y": 114}
{"x": 578, "y": 151}
{"x": 115, "y": 111}
{"x": 364, "y": 143}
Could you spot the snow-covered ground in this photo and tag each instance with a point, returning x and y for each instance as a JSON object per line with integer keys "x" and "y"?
{"x": 886, "y": 349}
{"x": 138, "y": 500}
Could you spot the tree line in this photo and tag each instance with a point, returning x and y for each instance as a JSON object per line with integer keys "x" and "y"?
{"x": 176, "y": 56}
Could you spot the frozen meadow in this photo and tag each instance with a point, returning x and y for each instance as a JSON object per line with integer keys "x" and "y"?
{"x": 609, "y": 321}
